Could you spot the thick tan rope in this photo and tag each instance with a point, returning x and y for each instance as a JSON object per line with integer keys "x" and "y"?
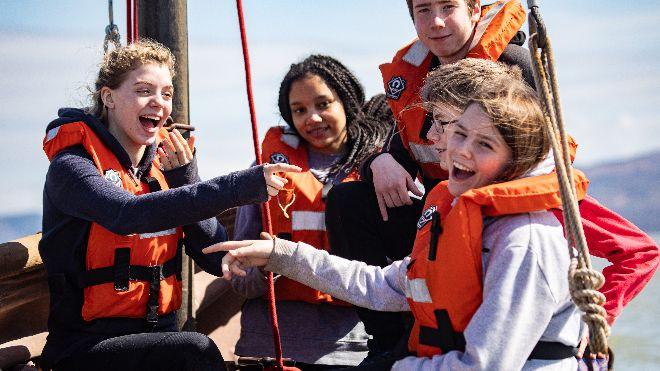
{"x": 584, "y": 281}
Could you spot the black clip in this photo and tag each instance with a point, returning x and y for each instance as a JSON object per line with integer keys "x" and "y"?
{"x": 121, "y": 268}
{"x": 154, "y": 293}
{"x": 436, "y": 229}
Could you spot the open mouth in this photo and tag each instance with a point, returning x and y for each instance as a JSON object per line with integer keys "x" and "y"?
{"x": 461, "y": 172}
{"x": 149, "y": 121}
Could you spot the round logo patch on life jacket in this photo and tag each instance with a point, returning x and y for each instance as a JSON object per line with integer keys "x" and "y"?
{"x": 279, "y": 158}
{"x": 113, "y": 177}
{"x": 395, "y": 87}
{"x": 426, "y": 217}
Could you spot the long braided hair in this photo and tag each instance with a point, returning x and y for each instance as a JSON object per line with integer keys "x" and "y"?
{"x": 367, "y": 123}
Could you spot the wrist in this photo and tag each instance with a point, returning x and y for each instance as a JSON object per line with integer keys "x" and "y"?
{"x": 378, "y": 159}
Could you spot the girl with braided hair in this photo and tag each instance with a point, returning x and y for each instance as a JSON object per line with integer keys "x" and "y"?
{"x": 330, "y": 130}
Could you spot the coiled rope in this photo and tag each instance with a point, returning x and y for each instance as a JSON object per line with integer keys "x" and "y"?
{"x": 584, "y": 281}
{"x": 111, "y": 32}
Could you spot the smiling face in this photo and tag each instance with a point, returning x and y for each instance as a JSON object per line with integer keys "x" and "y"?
{"x": 477, "y": 153}
{"x": 139, "y": 106}
{"x": 445, "y": 27}
{"x": 318, "y": 114}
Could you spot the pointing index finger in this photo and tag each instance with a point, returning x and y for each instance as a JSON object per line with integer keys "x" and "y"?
{"x": 226, "y": 246}
{"x": 285, "y": 168}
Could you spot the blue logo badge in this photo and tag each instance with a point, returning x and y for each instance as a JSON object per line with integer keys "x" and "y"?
{"x": 395, "y": 87}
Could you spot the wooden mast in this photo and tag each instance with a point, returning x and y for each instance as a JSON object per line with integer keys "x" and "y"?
{"x": 166, "y": 21}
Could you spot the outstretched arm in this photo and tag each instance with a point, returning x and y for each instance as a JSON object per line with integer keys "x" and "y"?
{"x": 355, "y": 282}
{"x": 74, "y": 186}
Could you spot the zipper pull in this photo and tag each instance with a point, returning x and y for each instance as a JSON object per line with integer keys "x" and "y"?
{"x": 436, "y": 229}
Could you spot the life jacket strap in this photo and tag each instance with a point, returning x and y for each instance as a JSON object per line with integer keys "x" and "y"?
{"x": 552, "y": 351}
{"x": 153, "y": 184}
{"x": 122, "y": 272}
{"x": 445, "y": 338}
{"x": 154, "y": 293}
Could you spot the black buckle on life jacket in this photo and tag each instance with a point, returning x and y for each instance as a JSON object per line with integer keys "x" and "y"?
{"x": 443, "y": 337}
{"x": 121, "y": 269}
{"x": 154, "y": 293}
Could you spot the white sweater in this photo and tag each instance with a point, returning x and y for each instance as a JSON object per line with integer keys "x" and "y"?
{"x": 526, "y": 297}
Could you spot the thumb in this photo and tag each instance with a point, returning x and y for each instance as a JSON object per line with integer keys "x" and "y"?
{"x": 265, "y": 236}
{"x": 412, "y": 187}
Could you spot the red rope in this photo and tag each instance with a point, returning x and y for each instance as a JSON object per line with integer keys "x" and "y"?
{"x": 135, "y": 20}
{"x": 131, "y": 21}
{"x": 265, "y": 208}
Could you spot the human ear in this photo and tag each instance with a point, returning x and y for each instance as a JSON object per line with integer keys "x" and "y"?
{"x": 106, "y": 97}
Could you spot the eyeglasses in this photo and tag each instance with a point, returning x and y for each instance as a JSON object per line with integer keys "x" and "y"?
{"x": 439, "y": 125}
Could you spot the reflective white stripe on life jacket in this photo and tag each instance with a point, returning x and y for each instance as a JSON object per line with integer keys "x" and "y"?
{"x": 417, "y": 290}
{"x": 424, "y": 152}
{"x": 416, "y": 54}
{"x": 158, "y": 234}
{"x": 52, "y": 133}
{"x": 308, "y": 221}
{"x": 485, "y": 21}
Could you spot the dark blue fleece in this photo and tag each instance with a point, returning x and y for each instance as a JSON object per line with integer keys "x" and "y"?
{"x": 75, "y": 195}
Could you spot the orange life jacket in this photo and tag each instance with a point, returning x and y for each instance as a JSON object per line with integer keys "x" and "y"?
{"x": 135, "y": 276}
{"x": 404, "y": 76}
{"x": 298, "y": 212}
{"x": 444, "y": 285}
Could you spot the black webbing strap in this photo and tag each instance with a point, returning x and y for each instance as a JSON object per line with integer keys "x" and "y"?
{"x": 445, "y": 338}
{"x": 152, "y": 182}
{"x": 122, "y": 272}
{"x": 551, "y": 351}
{"x": 154, "y": 293}
{"x": 121, "y": 269}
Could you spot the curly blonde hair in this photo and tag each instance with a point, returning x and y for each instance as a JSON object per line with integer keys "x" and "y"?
{"x": 511, "y": 104}
{"x": 119, "y": 62}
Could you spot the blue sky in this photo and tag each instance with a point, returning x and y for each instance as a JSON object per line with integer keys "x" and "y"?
{"x": 607, "y": 53}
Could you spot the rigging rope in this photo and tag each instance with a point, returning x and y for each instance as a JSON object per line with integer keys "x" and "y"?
{"x": 111, "y": 31}
{"x": 584, "y": 281}
{"x": 265, "y": 207}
